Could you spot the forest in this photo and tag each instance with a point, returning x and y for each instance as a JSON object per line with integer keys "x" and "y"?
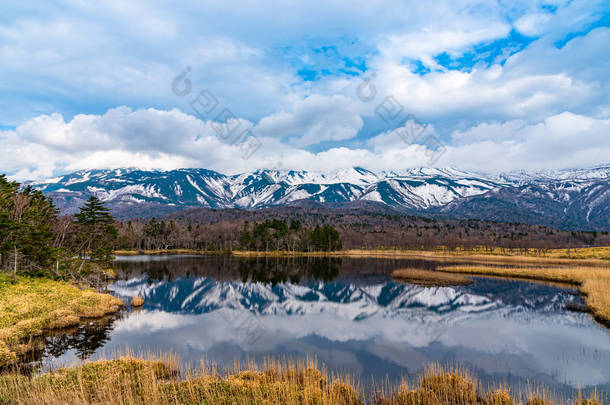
{"x": 36, "y": 241}
{"x": 294, "y": 229}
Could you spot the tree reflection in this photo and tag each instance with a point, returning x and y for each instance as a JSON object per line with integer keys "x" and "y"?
{"x": 259, "y": 269}
{"x": 84, "y": 339}
{"x": 291, "y": 270}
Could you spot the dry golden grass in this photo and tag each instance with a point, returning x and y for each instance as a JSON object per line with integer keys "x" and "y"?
{"x": 129, "y": 380}
{"x": 443, "y": 255}
{"x": 594, "y": 282}
{"x": 430, "y": 278}
{"x": 29, "y": 306}
{"x": 166, "y": 252}
{"x": 137, "y": 301}
{"x": 600, "y": 252}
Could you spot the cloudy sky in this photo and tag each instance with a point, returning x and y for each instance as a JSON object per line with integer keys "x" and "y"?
{"x": 317, "y": 85}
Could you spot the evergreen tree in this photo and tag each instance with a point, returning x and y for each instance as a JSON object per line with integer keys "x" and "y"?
{"x": 26, "y": 234}
{"x": 94, "y": 212}
{"x": 7, "y": 191}
{"x": 97, "y": 233}
{"x": 245, "y": 237}
{"x": 325, "y": 238}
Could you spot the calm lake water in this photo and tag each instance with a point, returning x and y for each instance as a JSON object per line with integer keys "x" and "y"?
{"x": 351, "y": 316}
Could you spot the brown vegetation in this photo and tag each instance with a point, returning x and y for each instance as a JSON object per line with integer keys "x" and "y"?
{"x": 359, "y": 229}
{"x": 430, "y": 278}
{"x": 129, "y": 380}
{"x": 29, "y": 306}
{"x": 137, "y": 301}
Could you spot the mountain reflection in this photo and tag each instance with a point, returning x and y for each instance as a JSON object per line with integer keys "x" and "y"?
{"x": 353, "y": 317}
{"x": 300, "y": 285}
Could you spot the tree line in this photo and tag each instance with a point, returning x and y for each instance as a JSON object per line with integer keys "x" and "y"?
{"x": 310, "y": 229}
{"x": 36, "y": 240}
{"x": 267, "y": 235}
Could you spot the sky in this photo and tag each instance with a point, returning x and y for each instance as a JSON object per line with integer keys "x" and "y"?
{"x": 488, "y": 86}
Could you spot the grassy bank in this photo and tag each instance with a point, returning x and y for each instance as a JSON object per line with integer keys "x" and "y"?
{"x": 129, "y": 380}
{"x": 586, "y": 256}
{"x": 159, "y": 252}
{"x": 593, "y": 282}
{"x": 430, "y": 278}
{"x": 29, "y": 306}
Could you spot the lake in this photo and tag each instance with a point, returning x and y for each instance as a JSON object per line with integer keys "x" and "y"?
{"x": 350, "y": 315}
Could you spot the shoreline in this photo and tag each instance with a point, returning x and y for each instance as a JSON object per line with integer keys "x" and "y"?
{"x": 30, "y": 307}
{"x": 168, "y": 252}
{"x": 593, "y": 282}
{"x": 554, "y": 258}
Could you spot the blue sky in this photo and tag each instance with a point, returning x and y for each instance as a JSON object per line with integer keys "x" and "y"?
{"x": 487, "y": 85}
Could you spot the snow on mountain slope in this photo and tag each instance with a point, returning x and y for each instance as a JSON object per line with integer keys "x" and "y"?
{"x": 200, "y": 187}
{"x": 565, "y": 198}
{"x": 348, "y": 300}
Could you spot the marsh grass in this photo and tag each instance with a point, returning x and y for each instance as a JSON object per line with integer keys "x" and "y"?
{"x": 137, "y": 301}
{"x": 593, "y": 282}
{"x": 158, "y": 380}
{"x": 130, "y": 380}
{"x": 30, "y": 306}
{"x": 161, "y": 252}
{"x": 430, "y": 277}
{"x": 585, "y": 256}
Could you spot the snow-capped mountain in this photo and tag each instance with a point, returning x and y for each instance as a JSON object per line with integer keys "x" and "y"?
{"x": 421, "y": 188}
{"x": 577, "y": 198}
{"x": 349, "y": 299}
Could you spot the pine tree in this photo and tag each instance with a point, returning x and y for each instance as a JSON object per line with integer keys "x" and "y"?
{"x": 26, "y": 221}
{"x": 325, "y": 238}
{"x": 97, "y": 233}
{"x": 94, "y": 212}
{"x": 245, "y": 237}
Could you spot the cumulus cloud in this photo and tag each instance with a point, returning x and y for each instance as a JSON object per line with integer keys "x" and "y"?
{"x": 500, "y": 101}
{"x": 312, "y": 120}
{"x": 562, "y": 140}
{"x": 154, "y": 139}
{"x": 533, "y": 84}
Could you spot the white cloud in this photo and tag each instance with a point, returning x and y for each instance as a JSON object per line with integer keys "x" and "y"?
{"x": 535, "y": 83}
{"x": 560, "y": 141}
{"x": 66, "y": 62}
{"x": 532, "y": 24}
{"x": 312, "y": 120}
{"x": 148, "y": 138}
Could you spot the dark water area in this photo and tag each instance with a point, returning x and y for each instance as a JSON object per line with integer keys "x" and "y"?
{"x": 350, "y": 315}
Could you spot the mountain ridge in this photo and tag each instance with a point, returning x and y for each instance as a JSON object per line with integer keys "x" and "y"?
{"x": 568, "y": 198}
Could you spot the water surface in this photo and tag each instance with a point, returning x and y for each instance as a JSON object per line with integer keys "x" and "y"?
{"x": 350, "y": 315}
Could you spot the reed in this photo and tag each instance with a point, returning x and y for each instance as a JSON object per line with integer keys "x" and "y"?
{"x": 598, "y": 257}
{"x": 430, "y": 278}
{"x": 151, "y": 381}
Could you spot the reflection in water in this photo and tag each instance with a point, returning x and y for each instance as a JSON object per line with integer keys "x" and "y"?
{"x": 353, "y": 317}
{"x": 80, "y": 342}
{"x": 276, "y": 271}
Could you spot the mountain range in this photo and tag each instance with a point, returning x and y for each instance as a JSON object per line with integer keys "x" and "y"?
{"x": 351, "y": 298}
{"x": 566, "y": 199}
